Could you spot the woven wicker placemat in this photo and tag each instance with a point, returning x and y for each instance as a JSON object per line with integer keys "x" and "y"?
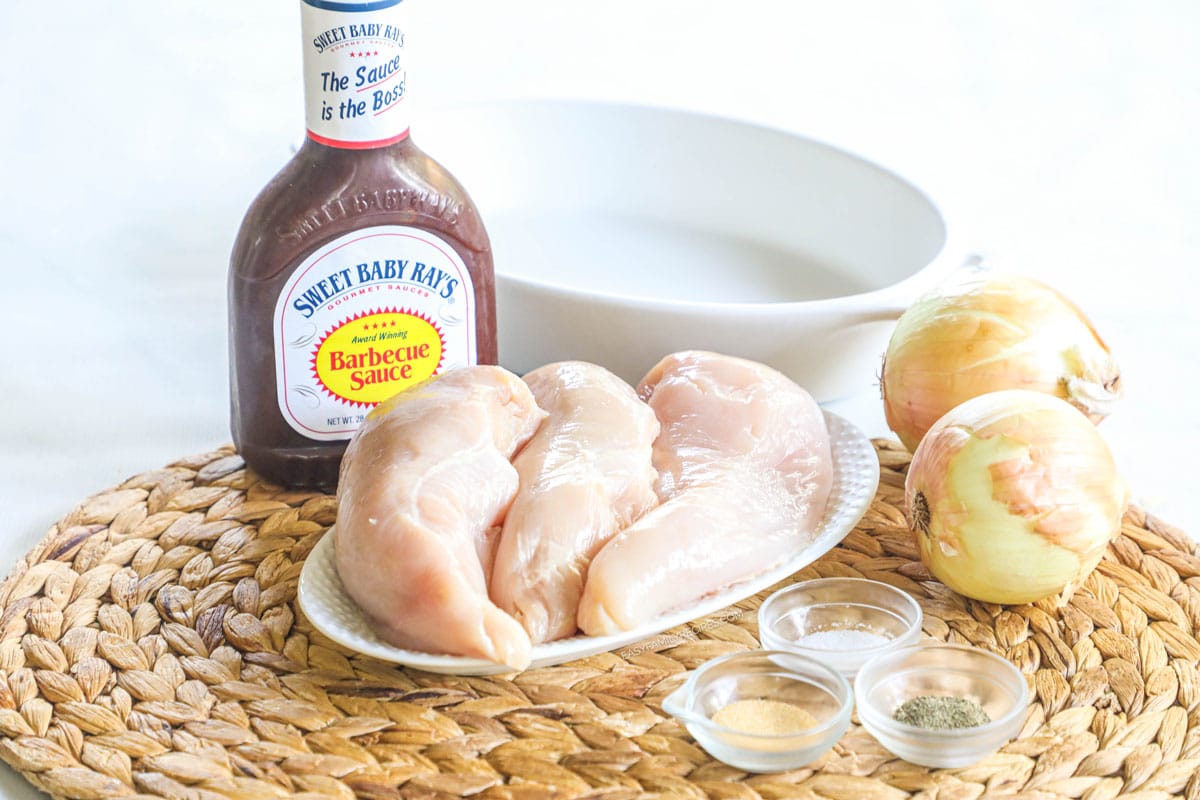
{"x": 151, "y": 646}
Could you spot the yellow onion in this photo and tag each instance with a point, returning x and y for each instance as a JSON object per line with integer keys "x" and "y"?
{"x": 1013, "y": 496}
{"x": 989, "y": 331}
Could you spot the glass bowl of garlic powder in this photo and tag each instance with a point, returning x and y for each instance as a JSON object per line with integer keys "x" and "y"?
{"x": 763, "y": 710}
{"x": 842, "y": 622}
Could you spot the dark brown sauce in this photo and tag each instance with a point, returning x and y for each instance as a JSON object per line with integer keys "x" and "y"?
{"x": 322, "y": 193}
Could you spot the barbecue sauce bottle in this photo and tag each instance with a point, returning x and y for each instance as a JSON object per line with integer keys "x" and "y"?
{"x": 361, "y": 269}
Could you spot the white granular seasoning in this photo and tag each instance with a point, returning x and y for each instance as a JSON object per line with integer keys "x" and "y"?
{"x": 842, "y": 640}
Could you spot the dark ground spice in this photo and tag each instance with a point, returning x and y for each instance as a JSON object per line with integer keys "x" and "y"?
{"x": 931, "y": 712}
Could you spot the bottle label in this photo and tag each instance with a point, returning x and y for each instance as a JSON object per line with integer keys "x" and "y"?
{"x": 355, "y": 72}
{"x": 366, "y": 316}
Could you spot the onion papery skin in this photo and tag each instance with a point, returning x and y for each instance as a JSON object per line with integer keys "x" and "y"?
{"x": 1013, "y": 496}
{"x": 986, "y": 332}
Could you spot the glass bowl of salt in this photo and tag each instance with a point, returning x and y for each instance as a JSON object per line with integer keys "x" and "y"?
{"x": 763, "y": 711}
{"x": 842, "y": 622}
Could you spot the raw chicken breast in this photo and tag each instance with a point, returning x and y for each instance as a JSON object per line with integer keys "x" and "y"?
{"x": 745, "y": 470}
{"x": 423, "y": 485}
{"x": 585, "y": 475}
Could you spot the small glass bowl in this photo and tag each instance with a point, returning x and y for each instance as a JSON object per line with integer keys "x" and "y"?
{"x": 842, "y": 609}
{"x": 763, "y": 675}
{"x": 889, "y": 680}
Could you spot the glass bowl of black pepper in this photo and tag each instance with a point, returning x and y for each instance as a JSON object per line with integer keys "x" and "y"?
{"x": 941, "y": 705}
{"x": 763, "y": 710}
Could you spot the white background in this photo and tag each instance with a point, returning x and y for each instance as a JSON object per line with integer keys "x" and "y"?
{"x": 1062, "y": 134}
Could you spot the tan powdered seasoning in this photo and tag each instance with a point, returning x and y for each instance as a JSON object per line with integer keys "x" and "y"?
{"x": 769, "y": 717}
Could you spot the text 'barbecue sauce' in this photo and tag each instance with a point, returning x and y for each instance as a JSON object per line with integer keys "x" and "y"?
{"x": 361, "y": 269}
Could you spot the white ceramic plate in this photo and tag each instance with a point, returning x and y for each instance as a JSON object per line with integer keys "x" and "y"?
{"x": 333, "y": 613}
